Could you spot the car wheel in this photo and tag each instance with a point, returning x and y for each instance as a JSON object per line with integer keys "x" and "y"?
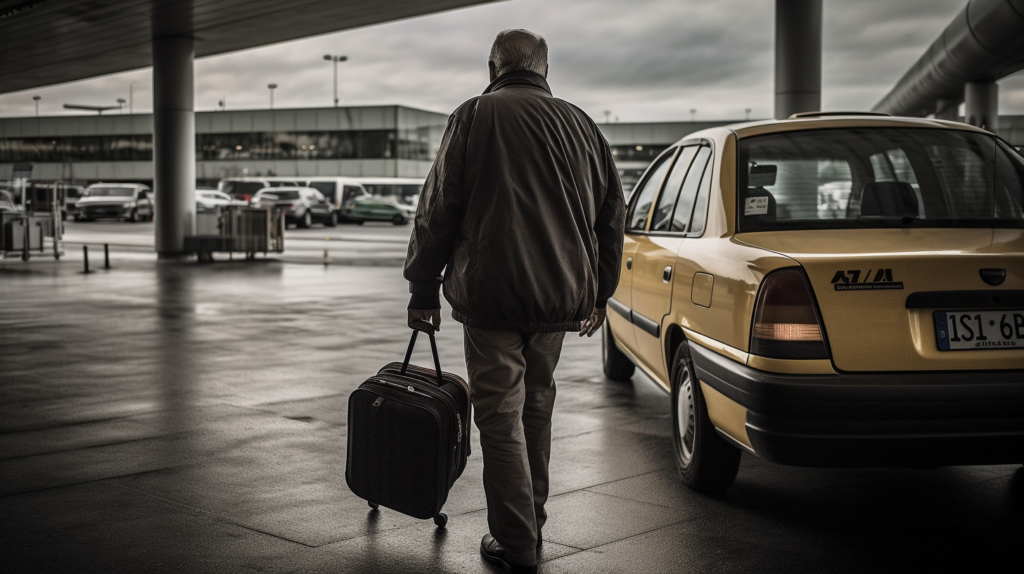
{"x": 360, "y": 222}
{"x": 306, "y": 221}
{"x": 617, "y": 365}
{"x": 705, "y": 461}
{"x": 333, "y": 220}
{"x": 134, "y": 216}
{"x": 76, "y": 217}
{"x": 399, "y": 220}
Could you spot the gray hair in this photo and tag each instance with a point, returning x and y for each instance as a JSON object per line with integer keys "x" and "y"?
{"x": 519, "y": 50}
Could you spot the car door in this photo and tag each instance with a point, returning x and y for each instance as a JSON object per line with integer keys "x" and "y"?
{"x": 144, "y": 205}
{"x": 640, "y": 204}
{"x": 656, "y": 253}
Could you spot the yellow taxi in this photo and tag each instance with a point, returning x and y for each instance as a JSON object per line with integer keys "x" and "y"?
{"x": 828, "y": 290}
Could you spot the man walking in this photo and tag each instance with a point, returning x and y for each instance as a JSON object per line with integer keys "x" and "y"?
{"x": 523, "y": 213}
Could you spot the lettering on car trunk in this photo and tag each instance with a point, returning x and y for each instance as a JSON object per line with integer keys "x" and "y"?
{"x": 858, "y": 280}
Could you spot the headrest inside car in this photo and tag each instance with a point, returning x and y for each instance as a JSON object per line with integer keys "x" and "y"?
{"x": 762, "y": 175}
{"x": 888, "y": 199}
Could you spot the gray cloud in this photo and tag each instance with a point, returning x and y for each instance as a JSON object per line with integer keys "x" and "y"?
{"x": 645, "y": 60}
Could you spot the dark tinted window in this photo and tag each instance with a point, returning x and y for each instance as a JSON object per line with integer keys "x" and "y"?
{"x": 328, "y": 188}
{"x": 878, "y": 177}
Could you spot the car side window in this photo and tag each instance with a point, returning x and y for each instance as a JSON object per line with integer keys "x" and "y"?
{"x": 688, "y": 194}
{"x": 645, "y": 193}
{"x": 670, "y": 193}
{"x": 700, "y": 208}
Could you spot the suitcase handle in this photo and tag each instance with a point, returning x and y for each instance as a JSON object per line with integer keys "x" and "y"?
{"x": 433, "y": 350}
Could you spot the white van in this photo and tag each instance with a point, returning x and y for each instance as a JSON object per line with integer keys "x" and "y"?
{"x": 340, "y": 191}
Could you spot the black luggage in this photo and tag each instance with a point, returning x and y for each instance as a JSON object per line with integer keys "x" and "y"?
{"x": 408, "y": 436}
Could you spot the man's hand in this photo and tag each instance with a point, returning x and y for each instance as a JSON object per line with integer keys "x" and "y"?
{"x": 432, "y": 316}
{"x": 591, "y": 325}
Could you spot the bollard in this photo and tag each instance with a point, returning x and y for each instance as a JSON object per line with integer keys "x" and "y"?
{"x": 325, "y": 258}
{"x": 106, "y": 256}
{"x": 85, "y": 257}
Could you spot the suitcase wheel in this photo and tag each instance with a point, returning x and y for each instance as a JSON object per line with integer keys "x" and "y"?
{"x": 441, "y": 519}
{"x": 373, "y": 505}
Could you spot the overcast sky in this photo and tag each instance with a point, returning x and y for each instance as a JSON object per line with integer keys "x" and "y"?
{"x": 643, "y": 60}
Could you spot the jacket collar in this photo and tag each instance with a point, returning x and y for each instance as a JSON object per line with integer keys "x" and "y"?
{"x": 519, "y": 78}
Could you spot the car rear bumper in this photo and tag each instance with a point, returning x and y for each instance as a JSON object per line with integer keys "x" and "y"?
{"x": 875, "y": 419}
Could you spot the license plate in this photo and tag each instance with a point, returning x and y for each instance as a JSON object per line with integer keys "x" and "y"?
{"x": 973, "y": 330}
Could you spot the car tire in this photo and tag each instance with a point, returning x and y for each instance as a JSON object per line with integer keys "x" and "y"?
{"x": 705, "y": 461}
{"x": 133, "y": 217}
{"x": 76, "y": 217}
{"x": 399, "y": 220}
{"x": 360, "y": 222}
{"x": 307, "y": 220}
{"x": 617, "y": 365}
{"x": 332, "y": 221}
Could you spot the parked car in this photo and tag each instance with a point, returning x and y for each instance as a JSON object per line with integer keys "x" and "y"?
{"x": 211, "y": 200}
{"x": 130, "y": 201}
{"x": 6, "y": 205}
{"x": 7, "y": 201}
{"x": 828, "y": 291}
{"x": 402, "y": 190}
{"x": 378, "y": 209}
{"x": 244, "y": 188}
{"x": 302, "y": 206}
{"x": 340, "y": 191}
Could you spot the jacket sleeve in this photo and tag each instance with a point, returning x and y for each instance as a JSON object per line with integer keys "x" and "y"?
{"x": 609, "y": 226}
{"x": 438, "y": 218}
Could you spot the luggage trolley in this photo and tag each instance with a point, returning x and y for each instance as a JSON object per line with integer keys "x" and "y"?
{"x": 25, "y": 232}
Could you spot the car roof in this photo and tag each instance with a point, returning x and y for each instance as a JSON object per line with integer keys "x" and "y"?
{"x": 287, "y": 188}
{"x": 827, "y": 121}
{"x": 391, "y": 180}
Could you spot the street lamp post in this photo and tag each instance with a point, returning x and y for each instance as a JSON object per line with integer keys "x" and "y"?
{"x": 120, "y": 105}
{"x": 272, "y": 87}
{"x": 37, "y": 98}
{"x": 131, "y": 98}
{"x": 335, "y": 59}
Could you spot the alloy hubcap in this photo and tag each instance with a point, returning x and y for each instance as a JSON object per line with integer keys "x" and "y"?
{"x": 685, "y": 422}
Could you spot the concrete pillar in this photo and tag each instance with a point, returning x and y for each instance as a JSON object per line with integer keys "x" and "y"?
{"x": 174, "y": 144}
{"x": 797, "y": 57}
{"x": 947, "y": 109}
{"x": 981, "y": 105}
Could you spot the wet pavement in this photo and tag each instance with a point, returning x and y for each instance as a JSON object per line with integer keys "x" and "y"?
{"x": 191, "y": 418}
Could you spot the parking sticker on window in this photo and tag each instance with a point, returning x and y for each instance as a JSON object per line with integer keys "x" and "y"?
{"x": 755, "y": 206}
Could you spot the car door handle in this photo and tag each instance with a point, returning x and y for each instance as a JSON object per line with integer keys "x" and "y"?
{"x": 666, "y": 275}
{"x": 629, "y": 263}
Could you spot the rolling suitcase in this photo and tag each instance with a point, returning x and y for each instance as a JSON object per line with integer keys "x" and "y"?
{"x": 408, "y": 436}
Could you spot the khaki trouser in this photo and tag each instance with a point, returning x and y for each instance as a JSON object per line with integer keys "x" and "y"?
{"x": 513, "y": 396}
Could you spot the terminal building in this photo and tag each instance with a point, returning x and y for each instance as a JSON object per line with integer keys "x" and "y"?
{"x": 359, "y": 141}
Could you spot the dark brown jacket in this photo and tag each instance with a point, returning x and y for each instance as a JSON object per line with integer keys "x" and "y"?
{"x": 524, "y": 207}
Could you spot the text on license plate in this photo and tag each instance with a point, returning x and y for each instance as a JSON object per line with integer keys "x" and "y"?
{"x": 962, "y": 330}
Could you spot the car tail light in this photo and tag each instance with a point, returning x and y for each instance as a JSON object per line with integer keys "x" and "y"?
{"x": 786, "y": 321}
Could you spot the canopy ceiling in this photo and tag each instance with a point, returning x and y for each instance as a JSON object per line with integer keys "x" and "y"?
{"x": 45, "y": 42}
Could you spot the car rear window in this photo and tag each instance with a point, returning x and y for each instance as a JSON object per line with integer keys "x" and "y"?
{"x": 282, "y": 194}
{"x": 110, "y": 192}
{"x": 878, "y": 177}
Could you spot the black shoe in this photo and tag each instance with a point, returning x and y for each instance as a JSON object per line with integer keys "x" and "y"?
{"x": 493, "y": 551}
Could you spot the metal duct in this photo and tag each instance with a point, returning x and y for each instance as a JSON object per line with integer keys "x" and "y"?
{"x": 985, "y": 42}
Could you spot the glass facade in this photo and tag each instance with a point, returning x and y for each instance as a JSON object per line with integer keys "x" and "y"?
{"x": 78, "y": 148}
{"x": 414, "y": 144}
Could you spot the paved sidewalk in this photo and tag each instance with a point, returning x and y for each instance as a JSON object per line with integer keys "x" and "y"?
{"x": 191, "y": 418}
